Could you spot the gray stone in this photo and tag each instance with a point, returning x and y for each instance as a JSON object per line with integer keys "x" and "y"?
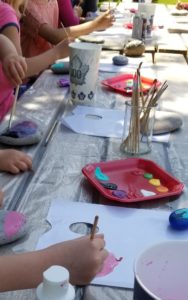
{"x": 120, "y": 60}
{"x": 166, "y": 121}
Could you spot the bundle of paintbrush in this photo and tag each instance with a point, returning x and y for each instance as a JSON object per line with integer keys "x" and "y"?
{"x": 140, "y": 113}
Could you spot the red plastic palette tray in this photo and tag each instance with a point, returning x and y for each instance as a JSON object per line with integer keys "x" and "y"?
{"x": 128, "y": 175}
{"x": 118, "y": 83}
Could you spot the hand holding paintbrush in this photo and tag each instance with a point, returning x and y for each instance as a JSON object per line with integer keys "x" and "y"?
{"x": 94, "y": 227}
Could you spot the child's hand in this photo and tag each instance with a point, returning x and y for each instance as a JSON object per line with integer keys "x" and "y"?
{"x": 14, "y": 161}
{"x": 15, "y": 68}
{"x": 104, "y": 21}
{"x": 78, "y": 11}
{"x": 62, "y": 48}
{"x": 82, "y": 257}
{"x": 1, "y": 199}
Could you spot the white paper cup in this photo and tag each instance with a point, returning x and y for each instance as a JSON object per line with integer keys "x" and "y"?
{"x": 161, "y": 272}
{"x": 84, "y": 63}
{"x": 148, "y": 9}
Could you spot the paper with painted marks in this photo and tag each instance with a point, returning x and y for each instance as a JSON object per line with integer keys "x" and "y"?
{"x": 127, "y": 231}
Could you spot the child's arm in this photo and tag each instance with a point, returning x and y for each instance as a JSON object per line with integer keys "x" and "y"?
{"x": 39, "y": 63}
{"x": 54, "y": 36}
{"x": 34, "y": 64}
{"x": 82, "y": 257}
{"x": 14, "y": 65}
{"x": 6, "y": 47}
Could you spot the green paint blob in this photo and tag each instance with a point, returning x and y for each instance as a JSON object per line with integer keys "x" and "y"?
{"x": 148, "y": 175}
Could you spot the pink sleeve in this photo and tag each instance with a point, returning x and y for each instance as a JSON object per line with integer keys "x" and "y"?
{"x": 8, "y": 17}
{"x": 66, "y": 13}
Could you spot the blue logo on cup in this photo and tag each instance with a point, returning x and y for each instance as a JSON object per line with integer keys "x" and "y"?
{"x": 78, "y": 71}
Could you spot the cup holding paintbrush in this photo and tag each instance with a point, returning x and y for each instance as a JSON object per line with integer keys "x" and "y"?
{"x": 140, "y": 116}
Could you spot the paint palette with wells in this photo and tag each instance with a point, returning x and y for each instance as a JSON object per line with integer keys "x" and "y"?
{"x": 124, "y": 83}
{"x": 132, "y": 180}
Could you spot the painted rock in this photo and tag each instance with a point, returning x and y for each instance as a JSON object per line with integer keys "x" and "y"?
{"x": 179, "y": 219}
{"x": 13, "y": 225}
{"x": 60, "y": 68}
{"x": 120, "y": 60}
{"x": 22, "y": 133}
{"x": 134, "y": 48}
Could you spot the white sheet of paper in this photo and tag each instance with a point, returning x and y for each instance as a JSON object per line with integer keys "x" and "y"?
{"x": 108, "y": 122}
{"x": 128, "y": 232}
{"x": 96, "y": 121}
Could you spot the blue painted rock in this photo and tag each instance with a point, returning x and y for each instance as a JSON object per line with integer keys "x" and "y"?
{"x": 179, "y": 219}
{"x": 13, "y": 225}
{"x": 60, "y": 68}
{"x": 120, "y": 60}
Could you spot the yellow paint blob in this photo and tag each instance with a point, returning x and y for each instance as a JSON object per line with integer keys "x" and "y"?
{"x": 155, "y": 182}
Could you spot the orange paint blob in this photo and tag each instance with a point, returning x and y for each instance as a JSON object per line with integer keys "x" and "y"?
{"x": 162, "y": 189}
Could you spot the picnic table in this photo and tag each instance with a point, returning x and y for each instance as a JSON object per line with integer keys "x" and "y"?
{"x": 58, "y": 160}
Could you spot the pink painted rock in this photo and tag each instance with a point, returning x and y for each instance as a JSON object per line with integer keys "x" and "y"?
{"x": 13, "y": 225}
{"x": 109, "y": 264}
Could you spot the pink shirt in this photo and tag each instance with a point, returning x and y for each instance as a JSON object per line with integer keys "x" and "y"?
{"x": 7, "y": 18}
{"x": 66, "y": 13}
{"x": 38, "y": 12}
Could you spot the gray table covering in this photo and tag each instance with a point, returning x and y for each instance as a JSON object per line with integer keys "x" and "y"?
{"x": 58, "y": 164}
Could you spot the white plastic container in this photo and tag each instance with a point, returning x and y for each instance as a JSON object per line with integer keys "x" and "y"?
{"x": 161, "y": 272}
{"x": 55, "y": 285}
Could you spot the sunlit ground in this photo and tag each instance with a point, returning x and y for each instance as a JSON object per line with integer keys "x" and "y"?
{"x": 170, "y": 1}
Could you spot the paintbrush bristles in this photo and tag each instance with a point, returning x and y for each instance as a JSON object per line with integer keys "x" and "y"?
{"x": 94, "y": 227}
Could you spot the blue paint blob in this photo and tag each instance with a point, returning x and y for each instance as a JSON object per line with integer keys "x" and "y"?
{"x": 99, "y": 175}
{"x": 119, "y": 194}
{"x": 179, "y": 219}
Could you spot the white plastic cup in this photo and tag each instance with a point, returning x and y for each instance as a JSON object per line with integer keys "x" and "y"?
{"x": 84, "y": 63}
{"x": 161, "y": 272}
{"x": 146, "y": 8}
{"x": 55, "y": 285}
